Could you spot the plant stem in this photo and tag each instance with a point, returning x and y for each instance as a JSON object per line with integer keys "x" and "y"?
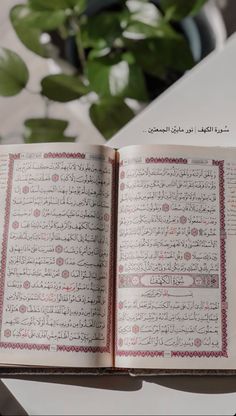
{"x": 80, "y": 49}
{"x": 63, "y": 32}
{"x": 31, "y": 91}
{"x": 47, "y": 106}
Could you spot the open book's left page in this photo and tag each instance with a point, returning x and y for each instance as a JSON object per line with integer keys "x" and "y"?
{"x": 55, "y": 258}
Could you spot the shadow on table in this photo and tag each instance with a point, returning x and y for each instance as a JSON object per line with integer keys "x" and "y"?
{"x": 196, "y": 384}
{"x": 8, "y": 404}
{"x": 122, "y": 383}
{"x": 193, "y": 384}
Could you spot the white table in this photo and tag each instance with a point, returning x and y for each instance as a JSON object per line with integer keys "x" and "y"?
{"x": 206, "y": 96}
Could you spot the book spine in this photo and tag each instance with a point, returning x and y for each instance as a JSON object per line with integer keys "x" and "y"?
{"x": 115, "y": 187}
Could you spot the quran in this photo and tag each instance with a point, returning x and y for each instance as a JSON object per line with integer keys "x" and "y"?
{"x": 117, "y": 259}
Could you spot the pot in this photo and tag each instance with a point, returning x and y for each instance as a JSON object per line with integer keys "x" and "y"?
{"x": 206, "y": 31}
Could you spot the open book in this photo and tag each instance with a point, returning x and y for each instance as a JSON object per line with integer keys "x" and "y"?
{"x": 118, "y": 259}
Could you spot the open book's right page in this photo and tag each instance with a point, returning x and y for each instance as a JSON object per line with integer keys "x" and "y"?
{"x": 176, "y": 262}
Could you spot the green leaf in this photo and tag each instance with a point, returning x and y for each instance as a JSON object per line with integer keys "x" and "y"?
{"x": 128, "y": 57}
{"x": 29, "y": 36}
{"x": 98, "y": 53}
{"x": 40, "y": 130}
{"x": 143, "y": 11}
{"x": 49, "y": 123}
{"x": 110, "y": 115}
{"x": 41, "y": 5}
{"x": 43, "y": 20}
{"x": 63, "y": 87}
{"x": 78, "y": 5}
{"x": 179, "y": 9}
{"x": 14, "y": 74}
{"x": 101, "y": 30}
{"x": 139, "y": 30}
{"x": 157, "y": 55}
{"x": 117, "y": 80}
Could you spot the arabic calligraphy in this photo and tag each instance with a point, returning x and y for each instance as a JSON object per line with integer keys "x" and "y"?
{"x": 57, "y": 230}
{"x": 171, "y": 288}
{"x": 190, "y": 130}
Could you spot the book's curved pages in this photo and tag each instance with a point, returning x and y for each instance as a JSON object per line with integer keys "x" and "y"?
{"x": 117, "y": 259}
{"x": 57, "y": 257}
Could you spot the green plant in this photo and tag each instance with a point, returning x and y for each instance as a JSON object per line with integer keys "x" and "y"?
{"x": 117, "y": 48}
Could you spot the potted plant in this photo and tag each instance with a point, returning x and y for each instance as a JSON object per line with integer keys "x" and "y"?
{"x": 121, "y": 54}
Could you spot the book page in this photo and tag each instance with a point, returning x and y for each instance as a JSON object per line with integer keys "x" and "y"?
{"x": 56, "y": 256}
{"x": 176, "y": 260}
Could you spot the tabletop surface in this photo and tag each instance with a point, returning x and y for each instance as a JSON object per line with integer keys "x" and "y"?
{"x": 205, "y": 96}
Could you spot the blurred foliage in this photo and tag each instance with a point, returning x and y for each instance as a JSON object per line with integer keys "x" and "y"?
{"x": 118, "y": 44}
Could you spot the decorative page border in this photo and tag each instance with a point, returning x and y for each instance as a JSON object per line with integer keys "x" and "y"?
{"x": 47, "y": 347}
{"x": 224, "y": 305}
